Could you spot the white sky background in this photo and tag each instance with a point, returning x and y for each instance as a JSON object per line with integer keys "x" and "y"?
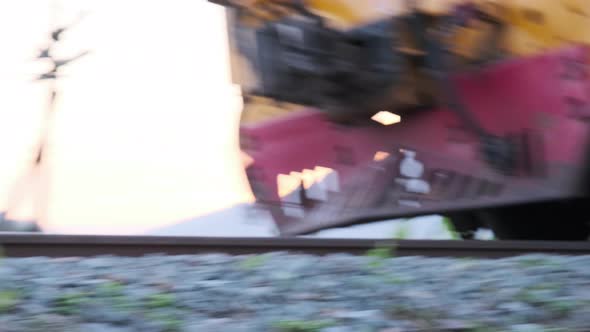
{"x": 145, "y": 132}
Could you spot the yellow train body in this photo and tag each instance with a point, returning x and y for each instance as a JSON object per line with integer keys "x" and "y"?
{"x": 527, "y": 27}
{"x": 531, "y": 25}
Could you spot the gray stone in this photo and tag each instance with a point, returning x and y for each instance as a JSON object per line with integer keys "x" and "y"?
{"x": 258, "y": 292}
{"x": 48, "y": 323}
{"x": 96, "y": 327}
{"x": 360, "y": 315}
{"x": 513, "y": 307}
{"x": 455, "y": 324}
{"x": 214, "y": 324}
{"x": 105, "y": 313}
{"x": 339, "y": 329}
{"x": 97, "y": 262}
{"x": 527, "y": 328}
{"x": 32, "y": 308}
{"x": 402, "y": 293}
{"x": 211, "y": 283}
{"x": 45, "y": 295}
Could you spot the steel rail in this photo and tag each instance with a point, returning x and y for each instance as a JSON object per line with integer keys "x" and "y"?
{"x": 29, "y": 245}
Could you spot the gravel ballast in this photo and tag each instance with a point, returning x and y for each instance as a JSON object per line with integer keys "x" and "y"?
{"x": 286, "y": 292}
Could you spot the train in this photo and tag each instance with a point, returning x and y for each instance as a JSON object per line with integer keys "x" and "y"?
{"x": 362, "y": 110}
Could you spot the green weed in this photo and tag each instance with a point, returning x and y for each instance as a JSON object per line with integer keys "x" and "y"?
{"x": 378, "y": 255}
{"x": 170, "y": 324}
{"x": 69, "y": 303}
{"x": 160, "y": 301}
{"x": 301, "y": 325}
{"x": 253, "y": 262}
{"x": 448, "y": 224}
{"x": 8, "y": 300}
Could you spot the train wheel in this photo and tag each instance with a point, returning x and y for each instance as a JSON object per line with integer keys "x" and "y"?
{"x": 466, "y": 224}
{"x": 550, "y": 221}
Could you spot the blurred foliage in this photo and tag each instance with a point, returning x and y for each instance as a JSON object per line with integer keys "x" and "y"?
{"x": 378, "y": 255}
{"x": 113, "y": 291}
{"x": 253, "y": 262}
{"x": 448, "y": 224}
{"x": 8, "y": 300}
{"x": 110, "y": 289}
{"x": 302, "y": 325}
{"x": 534, "y": 261}
{"x": 69, "y": 303}
{"x": 161, "y": 300}
{"x": 168, "y": 323}
{"x": 403, "y": 231}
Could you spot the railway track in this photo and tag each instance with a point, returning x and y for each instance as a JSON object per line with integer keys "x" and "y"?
{"x": 29, "y": 245}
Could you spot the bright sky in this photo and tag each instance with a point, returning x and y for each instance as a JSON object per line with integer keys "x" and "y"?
{"x": 145, "y": 132}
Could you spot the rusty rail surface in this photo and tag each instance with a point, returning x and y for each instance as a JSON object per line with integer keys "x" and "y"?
{"x": 28, "y": 245}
